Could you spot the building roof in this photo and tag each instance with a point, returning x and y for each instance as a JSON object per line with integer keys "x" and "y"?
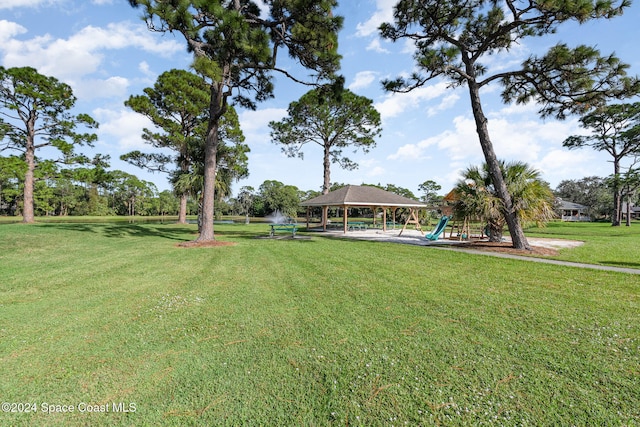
{"x": 623, "y": 207}
{"x": 362, "y": 195}
{"x": 451, "y": 196}
{"x": 571, "y": 206}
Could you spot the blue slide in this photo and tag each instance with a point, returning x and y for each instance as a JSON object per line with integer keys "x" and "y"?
{"x": 439, "y": 229}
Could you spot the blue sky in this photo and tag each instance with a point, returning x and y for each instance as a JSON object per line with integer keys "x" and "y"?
{"x": 106, "y": 53}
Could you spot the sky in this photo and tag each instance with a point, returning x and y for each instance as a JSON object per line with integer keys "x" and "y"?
{"x": 106, "y": 53}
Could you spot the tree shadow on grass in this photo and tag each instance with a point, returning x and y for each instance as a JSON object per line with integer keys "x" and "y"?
{"x": 256, "y": 234}
{"x": 621, "y": 264}
{"x": 173, "y": 232}
{"x": 119, "y": 230}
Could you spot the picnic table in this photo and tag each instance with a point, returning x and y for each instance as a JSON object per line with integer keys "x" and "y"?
{"x": 353, "y": 225}
{"x": 290, "y": 226}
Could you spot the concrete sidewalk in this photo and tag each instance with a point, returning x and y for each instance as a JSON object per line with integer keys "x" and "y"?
{"x": 541, "y": 260}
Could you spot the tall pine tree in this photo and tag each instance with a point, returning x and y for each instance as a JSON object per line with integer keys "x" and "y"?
{"x": 236, "y": 47}
{"x": 454, "y": 37}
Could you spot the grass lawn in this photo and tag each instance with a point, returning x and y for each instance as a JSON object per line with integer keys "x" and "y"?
{"x": 313, "y": 331}
{"x": 604, "y": 244}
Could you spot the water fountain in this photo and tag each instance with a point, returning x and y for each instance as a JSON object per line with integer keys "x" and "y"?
{"x": 280, "y": 222}
{"x": 278, "y": 218}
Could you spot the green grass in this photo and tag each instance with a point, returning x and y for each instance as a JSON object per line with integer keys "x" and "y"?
{"x": 95, "y": 219}
{"x": 603, "y": 244}
{"x": 307, "y": 332}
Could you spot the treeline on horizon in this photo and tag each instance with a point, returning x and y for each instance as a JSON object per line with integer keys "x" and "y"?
{"x": 96, "y": 191}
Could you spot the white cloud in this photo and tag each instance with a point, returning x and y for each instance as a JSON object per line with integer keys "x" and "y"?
{"x": 517, "y": 133}
{"x": 10, "y": 4}
{"x": 255, "y": 124}
{"x": 409, "y": 47}
{"x": 514, "y": 138}
{"x": 363, "y": 79}
{"x": 375, "y": 46}
{"x": 112, "y": 87}
{"x": 9, "y": 29}
{"x": 122, "y": 126}
{"x": 397, "y": 103}
{"x": 412, "y": 151}
{"x": 369, "y": 28}
{"x": 447, "y": 103}
{"x": 506, "y": 60}
{"x": 82, "y": 53}
{"x": 461, "y": 144}
{"x": 376, "y": 171}
{"x": 150, "y": 76}
{"x": 383, "y": 13}
{"x": 144, "y": 68}
{"x": 59, "y": 58}
{"x": 120, "y": 35}
{"x": 560, "y": 164}
{"x": 512, "y": 109}
{"x": 371, "y": 168}
{"x": 264, "y": 9}
{"x": 102, "y": 2}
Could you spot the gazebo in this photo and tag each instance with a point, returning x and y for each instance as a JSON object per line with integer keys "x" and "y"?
{"x": 352, "y": 196}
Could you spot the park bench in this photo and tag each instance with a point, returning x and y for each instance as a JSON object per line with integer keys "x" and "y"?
{"x": 292, "y": 227}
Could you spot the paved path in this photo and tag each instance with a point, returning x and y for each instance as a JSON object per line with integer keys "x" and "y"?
{"x": 542, "y": 260}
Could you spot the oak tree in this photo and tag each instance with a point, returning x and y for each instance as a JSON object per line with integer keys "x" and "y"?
{"x": 615, "y": 129}
{"x": 590, "y": 191}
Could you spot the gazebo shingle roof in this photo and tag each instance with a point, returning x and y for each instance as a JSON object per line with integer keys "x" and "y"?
{"x": 572, "y": 206}
{"x": 357, "y": 195}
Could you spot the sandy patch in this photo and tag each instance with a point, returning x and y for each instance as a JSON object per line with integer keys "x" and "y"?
{"x": 540, "y": 246}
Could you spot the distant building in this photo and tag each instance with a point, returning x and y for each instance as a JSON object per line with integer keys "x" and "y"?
{"x": 574, "y": 211}
{"x": 634, "y": 211}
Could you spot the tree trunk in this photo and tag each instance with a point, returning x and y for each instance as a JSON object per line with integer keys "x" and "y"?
{"x": 495, "y": 232}
{"x": 210, "y": 163}
{"x": 327, "y": 169}
{"x": 326, "y": 185}
{"x": 27, "y": 211}
{"x": 617, "y": 214}
{"x": 182, "y": 213}
{"x": 513, "y": 222}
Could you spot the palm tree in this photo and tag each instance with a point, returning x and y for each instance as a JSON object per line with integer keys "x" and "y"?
{"x": 532, "y": 198}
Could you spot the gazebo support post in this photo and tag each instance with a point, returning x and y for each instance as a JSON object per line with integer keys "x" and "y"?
{"x": 325, "y": 217}
{"x": 373, "y": 209}
{"x": 384, "y": 219}
{"x": 345, "y": 218}
{"x": 308, "y": 210}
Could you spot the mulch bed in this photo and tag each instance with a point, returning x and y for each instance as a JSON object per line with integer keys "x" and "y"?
{"x": 212, "y": 244}
{"x": 507, "y": 248}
